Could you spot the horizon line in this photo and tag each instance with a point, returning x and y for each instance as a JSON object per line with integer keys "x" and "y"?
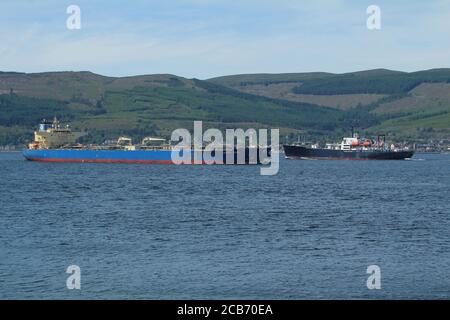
{"x": 221, "y": 76}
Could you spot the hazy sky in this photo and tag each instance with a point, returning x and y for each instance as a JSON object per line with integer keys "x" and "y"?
{"x": 202, "y": 39}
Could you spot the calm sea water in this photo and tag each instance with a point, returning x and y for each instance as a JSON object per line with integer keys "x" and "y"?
{"x": 212, "y": 232}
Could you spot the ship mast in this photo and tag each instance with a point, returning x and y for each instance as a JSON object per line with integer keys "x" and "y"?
{"x": 55, "y": 123}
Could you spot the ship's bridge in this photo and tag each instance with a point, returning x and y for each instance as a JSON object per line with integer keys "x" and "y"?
{"x": 51, "y": 135}
{"x": 45, "y": 125}
{"x": 348, "y": 143}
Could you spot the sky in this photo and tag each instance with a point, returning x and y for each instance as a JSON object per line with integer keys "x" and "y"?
{"x": 208, "y": 38}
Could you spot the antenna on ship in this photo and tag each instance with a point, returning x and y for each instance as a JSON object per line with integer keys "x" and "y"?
{"x": 55, "y": 123}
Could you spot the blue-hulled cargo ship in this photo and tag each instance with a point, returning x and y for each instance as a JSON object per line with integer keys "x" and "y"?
{"x": 99, "y": 155}
{"x": 54, "y": 143}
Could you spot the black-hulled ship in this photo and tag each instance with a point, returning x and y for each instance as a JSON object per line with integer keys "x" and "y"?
{"x": 353, "y": 148}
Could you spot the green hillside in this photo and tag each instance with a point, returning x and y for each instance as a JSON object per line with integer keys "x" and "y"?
{"x": 144, "y": 105}
{"x": 318, "y": 105}
{"x": 369, "y": 82}
{"x": 378, "y": 81}
{"x": 268, "y": 78}
{"x": 405, "y": 105}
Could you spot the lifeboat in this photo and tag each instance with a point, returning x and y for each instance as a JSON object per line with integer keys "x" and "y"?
{"x": 367, "y": 143}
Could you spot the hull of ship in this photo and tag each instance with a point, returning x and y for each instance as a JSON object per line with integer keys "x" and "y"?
{"x": 299, "y": 152}
{"x": 122, "y": 156}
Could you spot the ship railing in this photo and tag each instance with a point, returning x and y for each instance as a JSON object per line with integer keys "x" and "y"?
{"x": 163, "y": 147}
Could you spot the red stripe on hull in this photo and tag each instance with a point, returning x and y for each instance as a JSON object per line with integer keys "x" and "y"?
{"x": 111, "y": 161}
{"x": 102, "y": 161}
